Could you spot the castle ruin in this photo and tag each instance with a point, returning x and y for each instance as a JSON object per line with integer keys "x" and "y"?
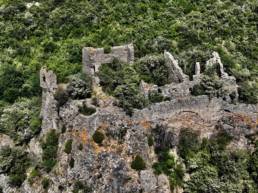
{"x": 93, "y": 58}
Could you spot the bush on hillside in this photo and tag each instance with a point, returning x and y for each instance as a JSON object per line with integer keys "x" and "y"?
{"x": 79, "y": 86}
{"x": 21, "y": 120}
{"x": 188, "y": 143}
{"x": 14, "y": 163}
{"x": 68, "y": 146}
{"x": 98, "y": 137}
{"x": 152, "y": 69}
{"x": 138, "y": 163}
{"x": 45, "y": 183}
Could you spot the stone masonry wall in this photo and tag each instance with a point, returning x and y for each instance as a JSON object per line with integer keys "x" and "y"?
{"x": 92, "y": 58}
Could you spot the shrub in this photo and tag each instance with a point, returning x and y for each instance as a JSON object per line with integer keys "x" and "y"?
{"x": 3, "y": 104}
{"x": 111, "y": 75}
{"x": 152, "y": 69}
{"x": 61, "y": 96}
{"x": 130, "y": 98}
{"x": 150, "y": 141}
{"x": 138, "y": 163}
{"x": 33, "y": 174}
{"x": 21, "y": 120}
{"x": 85, "y": 110}
{"x": 71, "y": 163}
{"x": 35, "y": 124}
{"x": 253, "y": 164}
{"x": 79, "y": 86}
{"x": 107, "y": 49}
{"x": 45, "y": 183}
{"x": 248, "y": 92}
{"x": 78, "y": 185}
{"x": 14, "y": 163}
{"x": 13, "y": 79}
{"x": 188, "y": 143}
{"x": 63, "y": 129}
{"x": 169, "y": 166}
{"x": 155, "y": 97}
{"x": 209, "y": 85}
{"x": 68, "y": 146}
{"x": 98, "y": 137}
{"x": 80, "y": 146}
{"x": 50, "y": 147}
{"x": 222, "y": 139}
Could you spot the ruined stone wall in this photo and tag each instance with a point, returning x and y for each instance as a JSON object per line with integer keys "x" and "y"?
{"x": 49, "y": 112}
{"x": 92, "y": 58}
{"x": 208, "y": 109}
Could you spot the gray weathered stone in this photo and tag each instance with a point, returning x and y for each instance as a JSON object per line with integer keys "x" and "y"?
{"x": 92, "y": 58}
{"x": 146, "y": 88}
{"x": 197, "y": 69}
{"x": 175, "y": 72}
{"x": 163, "y": 184}
{"x": 148, "y": 181}
{"x": 215, "y": 60}
{"x": 49, "y": 111}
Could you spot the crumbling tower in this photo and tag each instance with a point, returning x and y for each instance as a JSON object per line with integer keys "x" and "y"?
{"x": 93, "y": 58}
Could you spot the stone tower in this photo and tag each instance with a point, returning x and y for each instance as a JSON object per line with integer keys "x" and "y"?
{"x": 92, "y": 58}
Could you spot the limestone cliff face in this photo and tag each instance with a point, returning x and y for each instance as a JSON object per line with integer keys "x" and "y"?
{"x": 106, "y": 168}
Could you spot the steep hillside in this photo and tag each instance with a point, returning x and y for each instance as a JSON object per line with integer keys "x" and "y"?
{"x": 128, "y": 96}
{"x": 52, "y": 33}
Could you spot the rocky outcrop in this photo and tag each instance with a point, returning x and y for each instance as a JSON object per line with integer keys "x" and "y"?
{"x": 148, "y": 181}
{"x": 106, "y": 167}
{"x": 146, "y": 88}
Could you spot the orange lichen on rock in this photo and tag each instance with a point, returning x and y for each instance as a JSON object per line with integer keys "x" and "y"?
{"x": 96, "y": 147}
{"x": 103, "y": 126}
{"x": 81, "y": 135}
{"x": 246, "y": 119}
{"x": 145, "y": 124}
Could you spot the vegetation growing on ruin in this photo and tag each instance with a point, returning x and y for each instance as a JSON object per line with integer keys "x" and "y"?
{"x": 98, "y": 137}
{"x": 34, "y": 174}
{"x": 123, "y": 80}
{"x": 81, "y": 187}
{"x": 138, "y": 163}
{"x": 52, "y": 33}
{"x": 49, "y": 147}
{"x": 45, "y": 183}
{"x": 68, "y": 146}
{"x": 168, "y": 165}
